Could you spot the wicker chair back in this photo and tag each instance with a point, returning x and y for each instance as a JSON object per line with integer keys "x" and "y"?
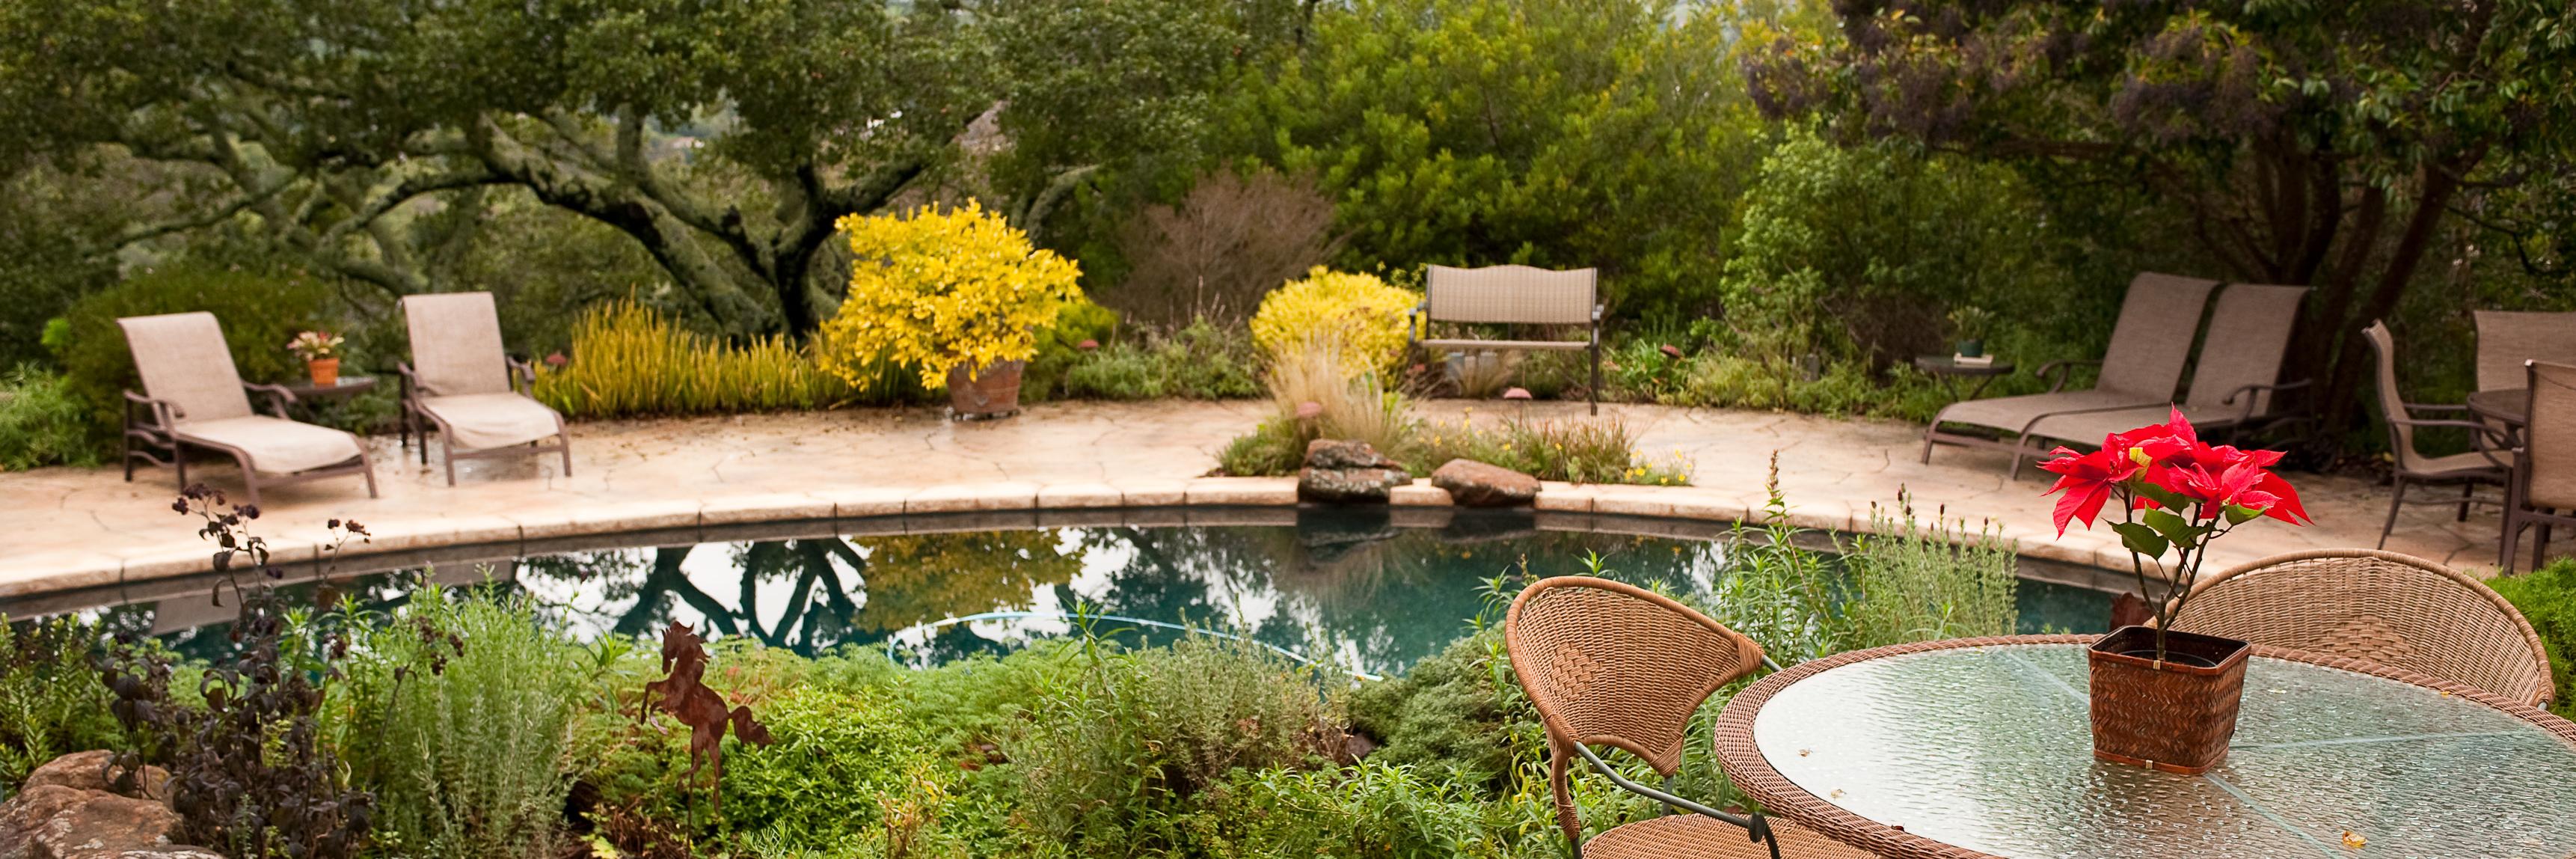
{"x": 2395, "y": 610}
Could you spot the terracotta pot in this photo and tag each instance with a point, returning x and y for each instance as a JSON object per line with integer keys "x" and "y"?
{"x": 326, "y": 371}
{"x": 2176, "y": 715}
{"x": 993, "y": 392}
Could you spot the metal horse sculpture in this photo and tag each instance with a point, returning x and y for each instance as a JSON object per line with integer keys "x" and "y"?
{"x": 685, "y": 696}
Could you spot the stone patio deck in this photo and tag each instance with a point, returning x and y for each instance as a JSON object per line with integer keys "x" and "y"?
{"x": 87, "y": 527}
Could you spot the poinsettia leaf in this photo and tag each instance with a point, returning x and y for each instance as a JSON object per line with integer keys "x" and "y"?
{"x": 2238, "y": 514}
{"x": 2141, "y": 539}
{"x": 2173, "y": 527}
{"x": 2165, "y": 498}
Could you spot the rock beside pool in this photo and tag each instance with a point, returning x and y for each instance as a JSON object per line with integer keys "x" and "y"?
{"x": 64, "y": 811}
{"x": 1347, "y": 472}
{"x": 1476, "y": 484}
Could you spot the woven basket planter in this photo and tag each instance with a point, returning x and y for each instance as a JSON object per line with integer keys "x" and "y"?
{"x": 2176, "y": 716}
{"x": 992, "y": 393}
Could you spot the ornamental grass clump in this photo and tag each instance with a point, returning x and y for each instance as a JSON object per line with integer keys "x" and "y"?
{"x": 629, "y": 359}
{"x": 2176, "y": 494}
{"x": 933, "y": 291}
{"x": 1364, "y": 321}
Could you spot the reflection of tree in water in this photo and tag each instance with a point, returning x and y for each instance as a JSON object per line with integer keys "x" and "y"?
{"x": 1343, "y": 584}
{"x": 822, "y": 592}
{"x": 1386, "y": 601}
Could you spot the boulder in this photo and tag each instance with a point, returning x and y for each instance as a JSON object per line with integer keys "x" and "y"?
{"x": 1333, "y": 453}
{"x": 65, "y": 812}
{"x": 1475, "y": 484}
{"x": 1347, "y": 472}
{"x": 1349, "y": 485}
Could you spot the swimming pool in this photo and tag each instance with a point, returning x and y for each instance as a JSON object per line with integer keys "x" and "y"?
{"x": 1356, "y": 587}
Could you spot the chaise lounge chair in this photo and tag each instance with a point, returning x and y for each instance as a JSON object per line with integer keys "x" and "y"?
{"x": 197, "y": 399}
{"x": 468, "y": 388}
{"x": 2232, "y": 384}
{"x": 2141, "y": 368}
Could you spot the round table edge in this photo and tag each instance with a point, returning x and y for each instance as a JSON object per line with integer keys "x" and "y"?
{"x": 2472, "y": 403}
{"x": 1743, "y": 763}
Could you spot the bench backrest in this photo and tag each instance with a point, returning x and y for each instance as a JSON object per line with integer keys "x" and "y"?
{"x": 1515, "y": 294}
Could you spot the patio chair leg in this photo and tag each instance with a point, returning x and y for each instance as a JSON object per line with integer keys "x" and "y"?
{"x": 2393, "y": 502}
{"x": 2467, "y": 490}
{"x": 179, "y": 457}
{"x": 367, "y": 468}
{"x": 447, "y": 449}
{"x": 1595, "y": 393}
{"x": 2540, "y": 545}
{"x": 564, "y": 443}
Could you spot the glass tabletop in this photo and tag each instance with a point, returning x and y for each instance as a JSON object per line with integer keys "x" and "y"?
{"x": 1990, "y": 748}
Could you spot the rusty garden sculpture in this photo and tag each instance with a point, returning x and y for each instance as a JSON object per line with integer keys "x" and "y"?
{"x": 685, "y": 696}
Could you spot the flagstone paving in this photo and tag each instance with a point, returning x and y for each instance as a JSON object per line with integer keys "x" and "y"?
{"x": 87, "y": 527}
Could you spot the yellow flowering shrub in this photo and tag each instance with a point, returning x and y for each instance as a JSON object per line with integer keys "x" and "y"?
{"x": 932, "y": 290}
{"x": 1359, "y": 315}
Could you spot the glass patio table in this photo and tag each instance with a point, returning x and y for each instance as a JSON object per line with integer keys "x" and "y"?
{"x": 1983, "y": 748}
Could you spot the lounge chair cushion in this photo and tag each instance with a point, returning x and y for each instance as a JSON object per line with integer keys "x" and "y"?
{"x": 275, "y": 445}
{"x": 2011, "y": 414}
{"x": 481, "y": 421}
{"x": 2088, "y": 428}
{"x": 182, "y": 360}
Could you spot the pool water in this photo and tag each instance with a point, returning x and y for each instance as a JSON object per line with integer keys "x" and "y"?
{"x": 1359, "y": 592}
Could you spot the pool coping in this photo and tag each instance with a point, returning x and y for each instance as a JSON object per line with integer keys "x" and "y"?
{"x": 1198, "y": 501}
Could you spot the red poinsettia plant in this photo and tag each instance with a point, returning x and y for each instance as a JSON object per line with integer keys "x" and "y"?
{"x": 2176, "y": 495}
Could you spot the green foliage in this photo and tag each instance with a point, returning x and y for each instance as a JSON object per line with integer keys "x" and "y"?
{"x": 1200, "y": 362}
{"x": 258, "y": 312}
{"x": 1857, "y": 251}
{"x": 1925, "y": 581}
{"x": 2547, "y": 598}
{"x": 1277, "y": 446}
{"x": 1444, "y": 718}
{"x": 460, "y": 713}
{"x": 51, "y": 701}
{"x": 1597, "y": 451}
{"x": 1465, "y": 132}
{"x": 839, "y": 771}
{"x": 1133, "y": 736}
{"x": 41, "y": 423}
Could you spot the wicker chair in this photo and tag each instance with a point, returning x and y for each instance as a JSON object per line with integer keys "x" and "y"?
{"x": 2395, "y": 610}
{"x": 2487, "y": 464}
{"x": 1617, "y": 665}
{"x": 2543, "y": 491}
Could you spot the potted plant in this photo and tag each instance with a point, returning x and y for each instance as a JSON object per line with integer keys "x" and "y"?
{"x": 2161, "y": 698}
{"x": 1969, "y": 325}
{"x": 321, "y": 353}
{"x": 958, "y": 296}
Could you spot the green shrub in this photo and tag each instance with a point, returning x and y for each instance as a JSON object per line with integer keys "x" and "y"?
{"x": 51, "y": 700}
{"x": 1132, "y": 736}
{"x": 1859, "y": 252}
{"x": 460, "y": 719}
{"x": 1449, "y": 716}
{"x": 1276, "y": 446}
{"x": 844, "y": 767}
{"x": 1060, "y": 346}
{"x": 42, "y": 424}
{"x": 1598, "y": 451}
{"x": 1919, "y": 581}
{"x": 2547, "y": 598}
{"x": 629, "y": 359}
{"x": 1200, "y": 362}
{"x": 258, "y": 312}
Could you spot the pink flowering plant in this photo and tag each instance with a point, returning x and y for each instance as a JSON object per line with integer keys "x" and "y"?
{"x": 2175, "y": 495}
{"x": 315, "y": 345}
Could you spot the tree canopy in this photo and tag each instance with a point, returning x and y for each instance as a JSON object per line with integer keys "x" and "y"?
{"x": 2315, "y": 143}
{"x": 723, "y": 138}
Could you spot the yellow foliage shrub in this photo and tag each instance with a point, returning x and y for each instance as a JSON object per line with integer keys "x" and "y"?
{"x": 1357, "y": 315}
{"x": 932, "y": 290}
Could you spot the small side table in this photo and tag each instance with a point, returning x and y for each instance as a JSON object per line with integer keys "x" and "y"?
{"x": 1948, "y": 369}
{"x": 349, "y": 386}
